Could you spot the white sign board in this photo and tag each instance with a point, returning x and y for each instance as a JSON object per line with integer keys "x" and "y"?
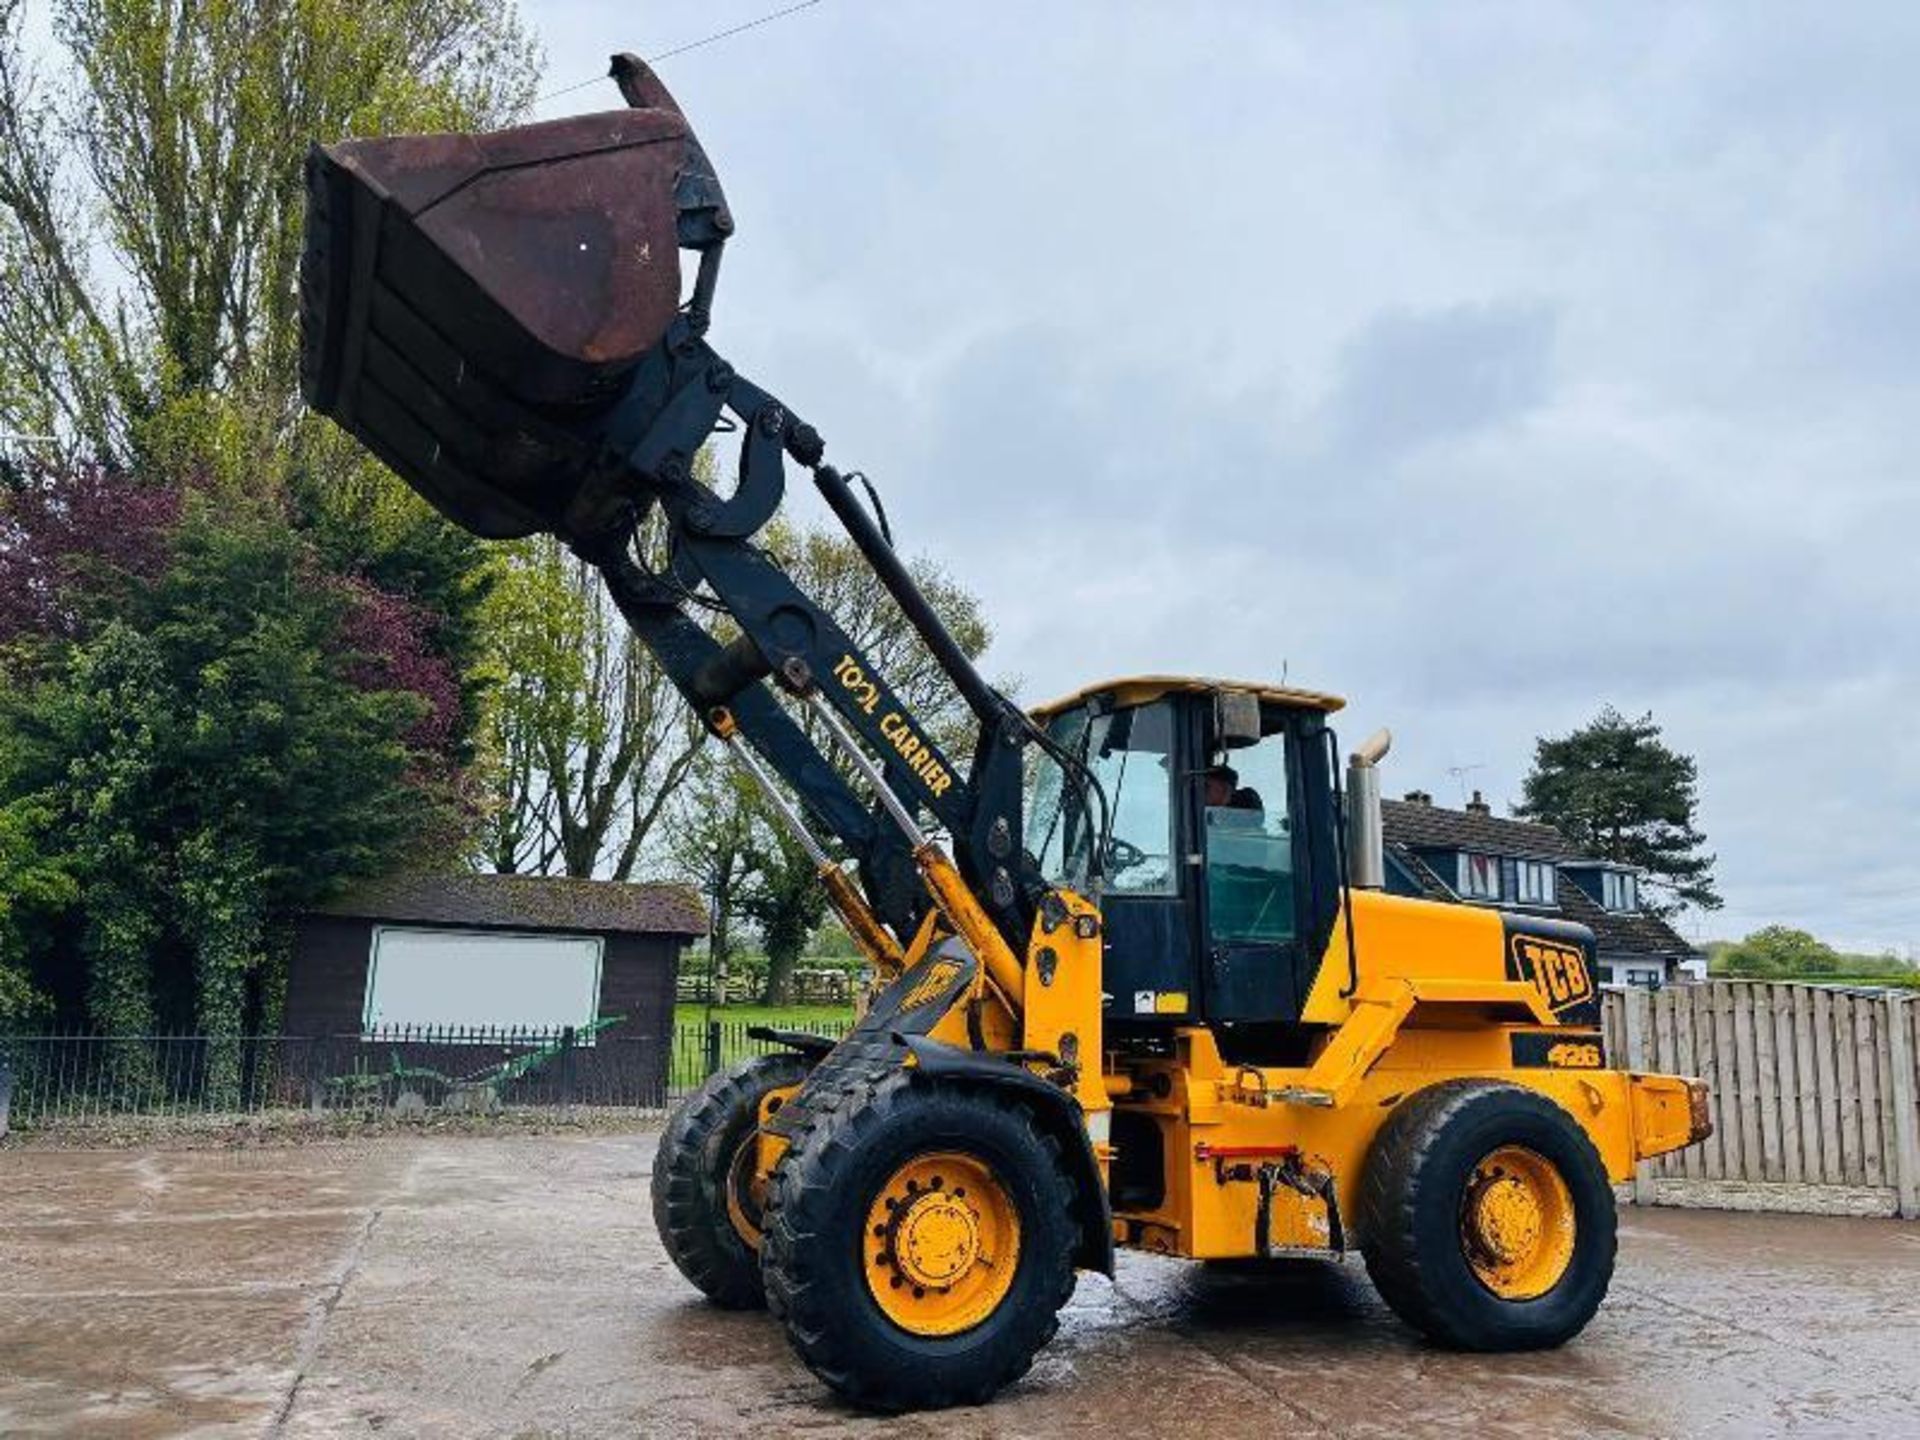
{"x": 481, "y": 979}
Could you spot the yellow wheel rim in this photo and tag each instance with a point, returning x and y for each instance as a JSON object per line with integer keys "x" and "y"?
{"x": 746, "y": 1188}
{"x": 941, "y": 1245}
{"x": 746, "y": 1191}
{"x": 1517, "y": 1223}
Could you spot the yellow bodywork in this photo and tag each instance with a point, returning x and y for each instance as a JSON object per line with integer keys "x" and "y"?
{"x": 1408, "y": 994}
{"x": 1433, "y": 1002}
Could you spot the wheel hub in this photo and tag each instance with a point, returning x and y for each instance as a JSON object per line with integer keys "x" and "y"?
{"x": 1506, "y": 1221}
{"x": 942, "y": 1243}
{"x": 935, "y": 1238}
{"x": 1517, "y": 1223}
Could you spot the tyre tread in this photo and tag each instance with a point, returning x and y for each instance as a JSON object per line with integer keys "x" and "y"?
{"x": 1391, "y": 1196}
{"x": 823, "y": 1146}
{"x": 688, "y": 1210}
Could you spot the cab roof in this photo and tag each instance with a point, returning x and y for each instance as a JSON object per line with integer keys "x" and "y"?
{"x": 1139, "y": 689}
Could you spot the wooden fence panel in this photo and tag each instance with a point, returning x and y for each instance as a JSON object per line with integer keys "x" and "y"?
{"x": 1811, "y": 1085}
{"x": 1686, "y": 1061}
{"x": 1867, "y": 1026}
{"x": 1827, "y": 1083}
{"x": 1763, "y": 1072}
{"x": 1903, "y": 1037}
{"x": 1807, "y": 1077}
{"x": 1665, "y": 1029}
{"x": 1853, "y": 1165}
{"x": 1726, "y": 1065}
{"x": 1714, "y": 1152}
{"x": 1885, "y": 1020}
{"x": 1787, "y": 1077}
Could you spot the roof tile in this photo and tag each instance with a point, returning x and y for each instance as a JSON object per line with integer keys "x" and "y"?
{"x": 532, "y": 902}
{"x": 1410, "y": 827}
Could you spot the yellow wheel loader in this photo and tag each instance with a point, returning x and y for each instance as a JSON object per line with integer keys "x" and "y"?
{"x": 1137, "y": 981}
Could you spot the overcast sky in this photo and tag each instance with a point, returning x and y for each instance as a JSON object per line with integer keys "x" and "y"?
{"x": 1484, "y": 364}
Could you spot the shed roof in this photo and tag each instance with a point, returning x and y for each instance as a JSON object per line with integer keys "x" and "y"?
{"x": 527, "y": 902}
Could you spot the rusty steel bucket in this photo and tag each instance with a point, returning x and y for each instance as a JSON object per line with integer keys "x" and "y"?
{"x": 469, "y": 303}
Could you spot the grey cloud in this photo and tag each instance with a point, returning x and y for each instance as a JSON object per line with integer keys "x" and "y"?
{"x": 1410, "y": 378}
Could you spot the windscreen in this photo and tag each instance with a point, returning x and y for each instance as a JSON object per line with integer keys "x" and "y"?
{"x": 1127, "y": 755}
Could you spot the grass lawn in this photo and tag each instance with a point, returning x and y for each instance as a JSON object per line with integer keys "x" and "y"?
{"x": 690, "y": 1054}
{"x": 786, "y": 1017}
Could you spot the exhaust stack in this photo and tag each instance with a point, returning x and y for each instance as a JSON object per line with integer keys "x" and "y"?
{"x": 1366, "y": 845}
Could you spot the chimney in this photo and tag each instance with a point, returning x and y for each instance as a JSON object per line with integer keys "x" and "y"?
{"x": 1417, "y": 797}
{"x": 1478, "y": 805}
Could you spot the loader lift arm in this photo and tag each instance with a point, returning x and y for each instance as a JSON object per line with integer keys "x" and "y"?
{"x": 675, "y": 403}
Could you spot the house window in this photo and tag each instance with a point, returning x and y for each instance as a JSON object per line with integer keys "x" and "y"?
{"x": 1479, "y": 877}
{"x": 1619, "y": 890}
{"x": 1535, "y": 882}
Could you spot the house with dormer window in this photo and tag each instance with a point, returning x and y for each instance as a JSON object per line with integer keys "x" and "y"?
{"x": 1474, "y": 857}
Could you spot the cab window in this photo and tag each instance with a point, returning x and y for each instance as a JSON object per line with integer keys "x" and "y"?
{"x": 1249, "y": 845}
{"x": 1131, "y": 754}
{"x": 1129, "y": 751}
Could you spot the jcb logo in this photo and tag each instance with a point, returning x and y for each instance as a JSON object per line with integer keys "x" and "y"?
{"x": 931, "y": 985}
{"x": 1558, "y": 971}
{"x": 1574, "y": 1057}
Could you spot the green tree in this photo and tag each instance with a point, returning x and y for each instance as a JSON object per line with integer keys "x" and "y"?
{"x": 33, "y": 886}
{"x": 151, "y": 205}
{"x": 710, "y": 846}
{"x": 364, "y": 523}
{"x": 230, "y": 751}
{"x": 588, "y": 740}
{"x": 1779, "y": 952}
{"x": 289, "y": 702}
{"x": 151, "y": 194}
{"x": 784, "y": 899}
{"x": 1616, "y": 790}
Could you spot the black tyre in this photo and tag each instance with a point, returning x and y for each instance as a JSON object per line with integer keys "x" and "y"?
{"x": 707, "y": 1214}
{"x": 919, "y": 1243}
{"x": 1486, "y": 1217}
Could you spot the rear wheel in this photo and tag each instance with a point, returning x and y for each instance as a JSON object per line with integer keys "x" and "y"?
{"x": 707, "y": 1202}
{"x": 1487, "y": 1220}
{"x": 919, "y": 1244}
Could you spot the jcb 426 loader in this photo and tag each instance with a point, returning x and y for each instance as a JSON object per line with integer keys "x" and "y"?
{"x": 1122, "y": 996}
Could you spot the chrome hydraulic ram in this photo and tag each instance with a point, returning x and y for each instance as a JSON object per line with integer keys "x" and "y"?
{"x": 854, "y": 912}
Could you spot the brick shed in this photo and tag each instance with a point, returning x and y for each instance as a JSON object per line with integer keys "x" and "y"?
{"x": 494, "y": 951}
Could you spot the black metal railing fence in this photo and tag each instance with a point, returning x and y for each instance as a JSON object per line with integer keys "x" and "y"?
{"x": 48, "y": 1080}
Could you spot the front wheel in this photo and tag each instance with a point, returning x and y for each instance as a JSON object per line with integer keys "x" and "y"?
{"x": 1487, "y": 1220}
{"x": 706, "y": 1199}
{"x": 919, "y": 1244}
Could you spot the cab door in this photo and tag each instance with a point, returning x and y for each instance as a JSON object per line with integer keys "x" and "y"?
{"x": 1255, "y": 867}
{"x": 1136, "y": 753}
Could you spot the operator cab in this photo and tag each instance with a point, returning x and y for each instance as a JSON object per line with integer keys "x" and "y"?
{"x": 1219, "y": 880}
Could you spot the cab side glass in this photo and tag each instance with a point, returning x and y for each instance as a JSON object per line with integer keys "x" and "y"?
{"x": 1249, "y": 842}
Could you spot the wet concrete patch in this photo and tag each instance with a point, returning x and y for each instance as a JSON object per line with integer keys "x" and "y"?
{"x": 514, "y": 1287}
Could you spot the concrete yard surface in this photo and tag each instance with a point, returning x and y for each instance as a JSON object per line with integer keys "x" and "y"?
{"x": 513, "y": 1286}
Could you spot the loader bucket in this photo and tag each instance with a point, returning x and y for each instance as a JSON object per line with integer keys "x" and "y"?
{"x": 470, "y": 302}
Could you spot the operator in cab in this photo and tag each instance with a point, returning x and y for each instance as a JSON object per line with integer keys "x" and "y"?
{"x": 1230, "y": 803}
